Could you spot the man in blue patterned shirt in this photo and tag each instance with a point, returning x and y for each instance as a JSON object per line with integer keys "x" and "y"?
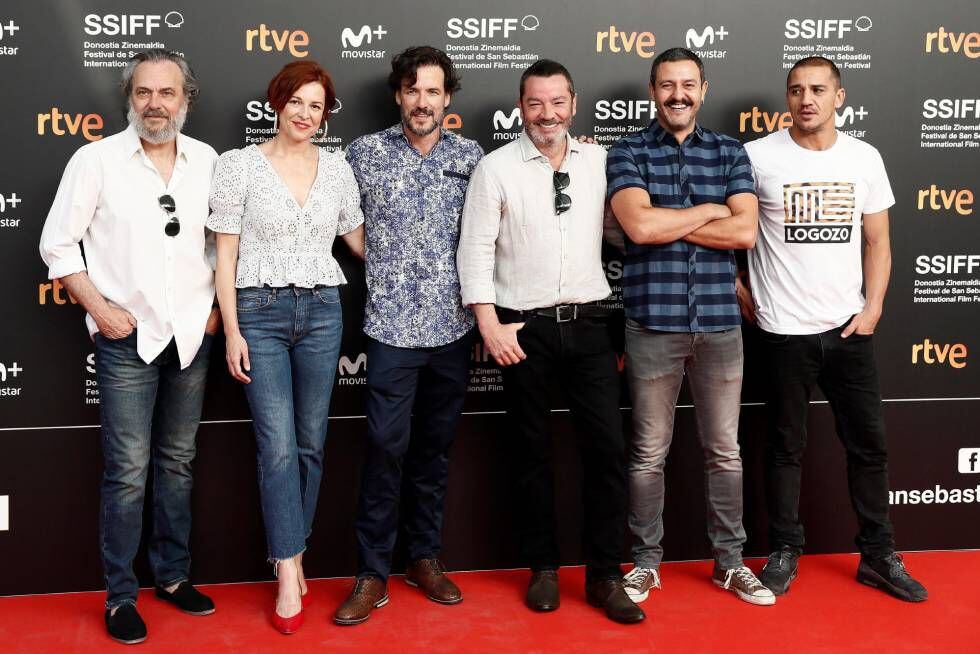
{"x": 413, "y": 179}
{"x": 685, "y": 197}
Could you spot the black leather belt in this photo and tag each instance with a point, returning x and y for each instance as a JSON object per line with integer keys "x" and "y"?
{"x": 558, "y": 313}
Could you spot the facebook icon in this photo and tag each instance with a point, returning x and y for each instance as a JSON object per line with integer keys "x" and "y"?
{"x": 969, "y": 460}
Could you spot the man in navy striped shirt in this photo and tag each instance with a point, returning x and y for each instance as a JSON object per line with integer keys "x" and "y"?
{"x": 685, "y": 197}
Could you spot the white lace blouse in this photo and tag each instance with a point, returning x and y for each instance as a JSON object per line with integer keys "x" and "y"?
{"x": 282, "y": 243}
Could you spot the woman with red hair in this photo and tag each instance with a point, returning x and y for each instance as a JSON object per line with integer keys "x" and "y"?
{"x": 277, "y": 208}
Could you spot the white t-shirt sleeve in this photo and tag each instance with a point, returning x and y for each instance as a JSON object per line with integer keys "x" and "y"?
{"x": 880, "y": 195}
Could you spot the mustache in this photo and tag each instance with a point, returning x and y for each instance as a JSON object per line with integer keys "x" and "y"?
{"x": 548, "y": 123}
{"x": 422, "y": 112}
{"x": 155, "y": 113}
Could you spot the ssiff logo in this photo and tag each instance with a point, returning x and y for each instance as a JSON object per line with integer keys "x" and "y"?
{"x": 614, "y": 40}
{"x": 58, "y": 123}
{"x": 268, "y": 40}
{"x": 488, "y": 28}
{"x": 130, "y": 24}
{"x": 967, "y": 43}
{"x": 969, "y": 460}
{"x": 824, "y": 28}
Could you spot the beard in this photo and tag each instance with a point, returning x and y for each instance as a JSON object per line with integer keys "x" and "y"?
{"x": 538, "y": 138}
{"x": 426, "y": 129}
{"x": 166, "y": 133}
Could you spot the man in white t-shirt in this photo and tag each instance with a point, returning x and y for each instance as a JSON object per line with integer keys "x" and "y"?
{"x": 823, "y": 196}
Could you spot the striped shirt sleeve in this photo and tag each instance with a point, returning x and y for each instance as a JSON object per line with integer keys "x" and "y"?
{"x": 740, "y": 178}
{"x": 622, "y": 171}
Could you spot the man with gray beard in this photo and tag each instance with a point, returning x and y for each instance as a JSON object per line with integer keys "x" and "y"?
{"x": 137, "y": 201}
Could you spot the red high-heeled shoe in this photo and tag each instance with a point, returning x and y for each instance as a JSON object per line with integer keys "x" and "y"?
{"x": 287, "y": 625}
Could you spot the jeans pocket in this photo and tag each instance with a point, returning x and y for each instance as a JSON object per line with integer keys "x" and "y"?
{"x": 772, "y": 339}
{"x": 327, "y": 294}
{"x": 253, "y": 299}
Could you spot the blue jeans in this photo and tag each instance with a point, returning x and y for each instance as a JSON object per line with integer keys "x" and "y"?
{"x": 293, "y": 337}
{"x": 150, "y": 414}
{"x": 656, "y": 363}
{"x": 431, "y": 382}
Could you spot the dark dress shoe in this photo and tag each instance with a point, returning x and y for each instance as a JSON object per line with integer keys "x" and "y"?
{"x": 429, "y": 575}
{"x": 126, "y": 626}
{"x": 187, "y": 598}
{"x": 542, "y": 591}
{"x": 609, "y": 594}
{"x": 369, "y": 593}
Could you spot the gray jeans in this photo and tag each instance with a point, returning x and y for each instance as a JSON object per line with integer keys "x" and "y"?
{"x": 656, "y": 363}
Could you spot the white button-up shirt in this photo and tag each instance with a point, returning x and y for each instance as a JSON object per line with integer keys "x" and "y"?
{"x": 514, "y": 250}
{"x": 108, "y": 200}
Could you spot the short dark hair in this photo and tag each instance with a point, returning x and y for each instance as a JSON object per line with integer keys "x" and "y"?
{"x": 676, "y": 54}
{"x": 296, "y": 74}
{"x": 816, "y": 61}
{"x": 406, "y": 64}
{"x": 546, "y": 68}
{"x": 191, "y": 87}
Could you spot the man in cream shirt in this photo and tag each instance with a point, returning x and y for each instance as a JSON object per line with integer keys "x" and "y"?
{"x": 529, "y": 266}
{"x": 137, "y": 201}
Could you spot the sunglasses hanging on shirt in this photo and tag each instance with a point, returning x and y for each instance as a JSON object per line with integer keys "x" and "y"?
{"x": 562, "y": 201}
{"x": 172, "y": 228}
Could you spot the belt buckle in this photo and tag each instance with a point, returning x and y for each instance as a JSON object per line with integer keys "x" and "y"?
{"x": 573, "y": 314}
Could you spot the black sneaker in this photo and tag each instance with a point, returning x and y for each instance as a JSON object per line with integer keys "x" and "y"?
{"x": 889, "y": 574}
{"x": 186, "y": 598}
{"x": 125, "y": 626}
{"x": 780, "y": 569}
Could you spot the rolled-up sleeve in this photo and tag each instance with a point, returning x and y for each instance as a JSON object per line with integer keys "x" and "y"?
{"x": 478, "y": 237}
{"x": 70, "y": 215}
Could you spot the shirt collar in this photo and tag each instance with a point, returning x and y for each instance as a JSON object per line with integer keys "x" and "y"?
{"x": 661, "y": 135}
{"x": 133, "y": 144}
{"x": 530, "y": 151}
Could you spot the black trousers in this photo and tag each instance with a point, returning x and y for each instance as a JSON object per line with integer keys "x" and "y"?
{"x": 431, "y": 383}
{"x": 576, "y": 357}
{"x": 844, "y": 369}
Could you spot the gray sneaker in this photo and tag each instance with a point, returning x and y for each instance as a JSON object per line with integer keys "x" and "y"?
{"x": 744, "y": 584}
{"x": 638, "y": 582}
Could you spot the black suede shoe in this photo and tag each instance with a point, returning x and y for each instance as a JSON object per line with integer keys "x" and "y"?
{"x": 780, "y": 569}
{"x": 542, "y": 591}
{"x": 126, "y": 626}
{"x": 609, "y": 594}
{"x": 186, "y": 598}
{"x": 889, "y": 574}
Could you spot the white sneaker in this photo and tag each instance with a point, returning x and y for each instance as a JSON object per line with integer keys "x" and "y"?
{"x": 638, "y": 582}
{"x": 744, "y": 584}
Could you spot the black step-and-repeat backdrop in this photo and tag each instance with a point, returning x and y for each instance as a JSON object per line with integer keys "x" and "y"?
{"x": 911, "y": 75}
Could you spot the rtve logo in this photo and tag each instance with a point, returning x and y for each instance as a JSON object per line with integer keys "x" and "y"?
{"x": 966, "y": 42}
{"x": 968, "y": 460}
{"x": 13, "y": 370}
{"x": 56, "y": 292}
{"x": 59, "y": 124}
{"x": 933, "y": 353}
{"x": 707, "y": 36}
{"x": 625, "y": 110}
{"x": 130, "y": 24}
{"x": 295, "y": 41}
{"x": 939, "y": 199}
{"x": 824, "y": 28}
{"x": 759, "y": 121}
{"x": 10, "y": 28}
{"x": 951, "y": 108}
{"x": 488, "y": 28}
{"x": 351, "y": 40}
{"x": 641, "y": 43}
{"x": 452, "y": 121}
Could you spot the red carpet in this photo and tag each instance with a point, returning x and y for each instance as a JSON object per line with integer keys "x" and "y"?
{"x": 826, "y": 611}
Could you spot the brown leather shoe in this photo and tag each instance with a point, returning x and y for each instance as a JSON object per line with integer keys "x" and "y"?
{"x": 609, "y": 594}
{"x": 542, "y": 591}
{"x": 430, "y": 576}
{"x": 369, "y": 593}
